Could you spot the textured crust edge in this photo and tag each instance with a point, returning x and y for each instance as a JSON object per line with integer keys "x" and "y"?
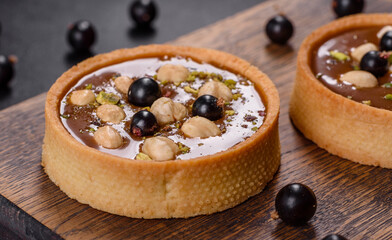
{"x": 341, "y": 126}
{"x": 180, "y": 188}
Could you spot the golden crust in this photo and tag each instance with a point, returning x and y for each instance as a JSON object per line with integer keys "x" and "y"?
{"x": 343, "y": 127}
{"x": 150, "y": 189}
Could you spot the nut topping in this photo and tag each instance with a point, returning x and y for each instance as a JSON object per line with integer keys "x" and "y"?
{"x": 172, "y": 73}
{"x": 160, "y": 148}
{"x": 383, "y": 31}
{"x": 360, "y": 51}
{"x": 110, "y": 113}
{"x": 108, "y": 137}
{"x": 122, "y": 83}
{"x": 82, "y": 97}
{"x": 359, "y": 78}
{"x": 166, "y": 111}
{"x": 216, "y": 89}
{"x": 200, "y": 127}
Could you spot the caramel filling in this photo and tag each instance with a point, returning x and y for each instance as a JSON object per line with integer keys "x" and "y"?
{"x": 329, "y": 69}
{"x": 242, "y": 115}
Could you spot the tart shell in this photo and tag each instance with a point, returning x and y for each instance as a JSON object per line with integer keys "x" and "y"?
{"x": 343, "y": 127}
{"x": 151, "y": 189}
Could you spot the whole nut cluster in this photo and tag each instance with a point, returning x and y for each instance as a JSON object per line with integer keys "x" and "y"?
{"x": 200, "y": 127}
{"x": 172, "y": 73}
{"x": 160, "y": 148}
{"x": 361, "y": 50}
{"x": 166, "y": 111}
{"x": 216, "y": 89}
{"x": 110, "y": 113}
{"x": 359, "y": 78}
{"x": 384, "y": 30}
{"x": 122, "y": 83}
{"x": 108, "y": 137}
{"x": 82, "y": 97}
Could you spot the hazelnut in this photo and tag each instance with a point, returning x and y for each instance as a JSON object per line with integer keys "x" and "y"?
{"x": 216, "y": 89}
{"x": 359, "y": 78}
{"x": 160, "y": 148}
{"x": 384, "y": 30}
{"x": 172, "y": 73}
{"x": 200, "y": 127}
{"x": 122, "y": 83}
{"x": 361, "y": 50}
{"x": 108, "y": 137}
{"x": 166, "y": 111}
{"x": 110, "y": 113}
{"x": 82, "y": 97}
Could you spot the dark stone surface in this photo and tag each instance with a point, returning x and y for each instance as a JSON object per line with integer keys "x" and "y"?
{"x": 35, "y": 32}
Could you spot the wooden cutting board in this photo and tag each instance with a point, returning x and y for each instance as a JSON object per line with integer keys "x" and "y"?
{"x": 353, "y": 200}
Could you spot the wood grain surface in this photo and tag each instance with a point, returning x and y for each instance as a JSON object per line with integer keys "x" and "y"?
{"x": 353, "y": 200}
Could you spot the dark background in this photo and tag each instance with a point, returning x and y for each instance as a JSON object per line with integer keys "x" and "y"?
{"x": 35, "y": 31}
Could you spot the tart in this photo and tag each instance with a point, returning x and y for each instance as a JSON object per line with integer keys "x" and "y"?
{"x": 337, "y": 101}
{"x": 144, "y": 184}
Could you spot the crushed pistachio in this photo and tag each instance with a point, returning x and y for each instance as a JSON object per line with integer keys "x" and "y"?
{"x": 191, "y": 78}
{"x": 388, "y": 96}
{"x": 107, "y": 98}
{"x": 229, "y": 112}
{"x": 184, "y": 149}
{"x": 121, "y": 105}
{"x": 202, "y": 74}
{"x": 319, "y": 75}
{"x": 215, "y": 76}
{"x": 367, "y": 102}
{"x": 236, "y": 96}
{"x": 164, "y": 82}
{"x": 356, "y": 67}
{"x": 188, "y": 89}
{"x": 177, "y": 125}
{"x": 200, "y": 144}
{"x": 89, "y": 86}
{"x": 143, "y": 156}
{"x": 230, "y": 83}
{"x": 387, "y": 85}
{"x": 91, "y": 130}
{"x": 255, "y": 129}
{"x": 65, "y": 116}
{"x": 146, "y": 108}
{"x": 390, "y": 59}
{"x": 339, "y": 55}
{"x": 155, "y": 77}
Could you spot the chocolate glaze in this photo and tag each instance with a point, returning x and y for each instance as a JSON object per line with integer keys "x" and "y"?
{"x": 78, "y": 120}
{"x": 329, "y": 70}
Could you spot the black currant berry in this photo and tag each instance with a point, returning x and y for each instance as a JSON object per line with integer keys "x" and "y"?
{"x": 143, "y": 92}
{"x": 375, "y": 63}
{"x": 334, "y": 237}
{"x": 386, "y": 42}
{"x": 279, "y": 29}
{"x": 295, "y": 204}
{"x": 347, "y": 7}
{"x": 143, "y": 12}
{"x": 81, "y": 35}
{"x": 6, "y": 70}
{"x": 207, "y": 106}
{"x": 143, "y": 123}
